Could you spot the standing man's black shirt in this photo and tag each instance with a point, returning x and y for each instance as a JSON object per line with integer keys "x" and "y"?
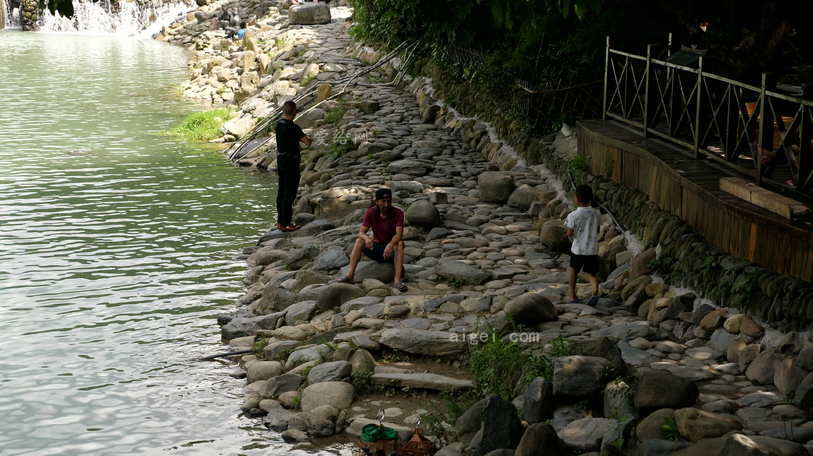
{"x": 288, "y": 136}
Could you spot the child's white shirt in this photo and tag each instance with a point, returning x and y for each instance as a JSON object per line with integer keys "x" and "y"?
{"x": 585, "y": 223}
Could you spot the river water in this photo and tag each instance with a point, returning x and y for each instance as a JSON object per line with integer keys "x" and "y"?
{"x": 118, "y": 248}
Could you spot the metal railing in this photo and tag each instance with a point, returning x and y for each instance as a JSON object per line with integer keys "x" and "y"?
{"x": 754, "y": 129}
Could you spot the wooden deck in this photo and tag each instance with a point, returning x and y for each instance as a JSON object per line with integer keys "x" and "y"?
{"x": 689, "y": 188}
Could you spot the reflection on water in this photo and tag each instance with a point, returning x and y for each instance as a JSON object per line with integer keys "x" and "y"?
{"x": 117, "y": 251}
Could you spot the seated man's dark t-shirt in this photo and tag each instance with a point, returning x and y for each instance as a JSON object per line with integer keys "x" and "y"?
{"x": 288, "y": 136}
{"x": 383, "y": 228}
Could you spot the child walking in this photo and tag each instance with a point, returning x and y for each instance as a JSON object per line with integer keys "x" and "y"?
{"x": 582, "y": 228}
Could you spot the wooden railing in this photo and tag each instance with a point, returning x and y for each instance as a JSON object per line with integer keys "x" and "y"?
{"x": 759, "y": 131}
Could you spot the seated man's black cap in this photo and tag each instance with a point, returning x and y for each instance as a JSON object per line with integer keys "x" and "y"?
{"x": 383, "y": 193}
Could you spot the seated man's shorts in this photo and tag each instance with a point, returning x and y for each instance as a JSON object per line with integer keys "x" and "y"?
{"x": 377, "y": 253}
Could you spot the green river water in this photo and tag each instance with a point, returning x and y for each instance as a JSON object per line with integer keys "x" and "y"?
{"x": 118, "y": 249}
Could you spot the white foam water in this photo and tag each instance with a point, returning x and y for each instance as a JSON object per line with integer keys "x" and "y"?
{"x": 132, "y": 19}
{"x": 11, "y": 15}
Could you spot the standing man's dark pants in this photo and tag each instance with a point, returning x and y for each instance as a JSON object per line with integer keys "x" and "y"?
{"x": 288, "y": 171}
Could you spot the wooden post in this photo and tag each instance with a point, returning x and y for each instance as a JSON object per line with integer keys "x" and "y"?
{"x": 761, "y": 132}
{"x": 606, "y": 70}
{"x": 646, "y": 89}
{"x": 805, "y": 149}
{"x": 697, "y": 108}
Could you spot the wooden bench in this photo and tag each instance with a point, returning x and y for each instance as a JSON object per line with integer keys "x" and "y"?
{"x": 763, "y": 198}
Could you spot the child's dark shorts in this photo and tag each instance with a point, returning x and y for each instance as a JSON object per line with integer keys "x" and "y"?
{"x": 584, "y": 263}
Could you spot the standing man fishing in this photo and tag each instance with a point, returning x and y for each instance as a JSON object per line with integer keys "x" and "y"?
{"x": 289, "y": 135}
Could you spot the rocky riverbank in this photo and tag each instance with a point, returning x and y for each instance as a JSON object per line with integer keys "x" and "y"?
{"x": 651, "y": 369}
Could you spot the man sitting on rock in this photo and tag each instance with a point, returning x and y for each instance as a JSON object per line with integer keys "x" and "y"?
{"x": 386, "y": 245}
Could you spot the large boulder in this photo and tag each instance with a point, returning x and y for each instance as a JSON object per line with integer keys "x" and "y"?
{"x": 495, "y": 186}
{"x": 336, "y": 394}
{"x": 523, "y": 197}
{"x": 737, "y": 444}
{"x": 423, "y": 342}
{"x": 423, "y": 214}
{"x": 640, "y": 263}
{"x": 329, "y": 372}
{"x": 239, "y": 126}
{"x": 281, "y": 384}
{"x": 331, "y": 258}
{"x": 458, "y": 271}
{"x": 696, "y": 424}
{"x": 538, "y": 402}
{"x": 576, "y": 376}
{"x": 299, "y": 313}
{"x": 586, "y": 434}
{"x": 603, "y": 347}
{"x": 362, "y": 361}
{"x": 240, "y": 327}
{"x": 336, "y": 294}
{"x": 762, "y": 369}
{"x": 309, "y": 14}
{"x": 319, "y": 422}
{"x": 650, "y": 427}
{"x": 539, "y": 438}
{"x": 471, "y": 419}
{"x": 383, "y": 272}
{"x": 501, "y": 426}
{"x": 310, "y": 117}
{"x": 553, "y": 236}
{"x": 409, "y": 167}
{"x": 274, "y": 299}
{"x": 262, "y": 370}
{"x": 306, "y": 355}
{"x": 530, "y": 309}
{"x": 658, "y": 389}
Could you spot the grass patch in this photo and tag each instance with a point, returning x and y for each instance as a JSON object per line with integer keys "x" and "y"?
{"x": 335, "y": 115}
{"x": 339, "y": 148}
{"x": 500, "y": 367}
{"x": 306, "y": 81}
{"x": 259, "y": 346}
{"x": 202, "y": 126}
{"x": 280, "y": 42}
{"x": 363, "y": 381}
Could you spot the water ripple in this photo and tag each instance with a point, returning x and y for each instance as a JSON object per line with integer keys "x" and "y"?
{"x": 117, "y": 251}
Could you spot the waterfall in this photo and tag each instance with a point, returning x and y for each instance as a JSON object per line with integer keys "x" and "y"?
{"x": 131, "y": 18}
{"x": 10, "y": 16}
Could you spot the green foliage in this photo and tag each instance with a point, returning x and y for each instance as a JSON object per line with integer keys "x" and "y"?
{"x": 537, "y": 365}
{"x": 560, "y": 347}
{"x": 579, "y": 163}
{"x": 340, "y": 147}
{"x": 497, "y": 366}
{"x": 335, "y": 115}
{"x": 669, "y": 430}
{"x": 306, "y": 81}
{"x": 478, "y": 49}
{"x": 259, "y": 345}
{"x": 202, "y": 126}
{"x": 297, "y": 402}
{"x": 362, "y": 381}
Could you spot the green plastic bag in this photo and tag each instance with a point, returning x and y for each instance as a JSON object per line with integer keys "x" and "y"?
{"x": 373, "y": 433}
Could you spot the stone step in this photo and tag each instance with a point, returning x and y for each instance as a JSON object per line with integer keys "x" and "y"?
{"x": 390, "y": 376}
